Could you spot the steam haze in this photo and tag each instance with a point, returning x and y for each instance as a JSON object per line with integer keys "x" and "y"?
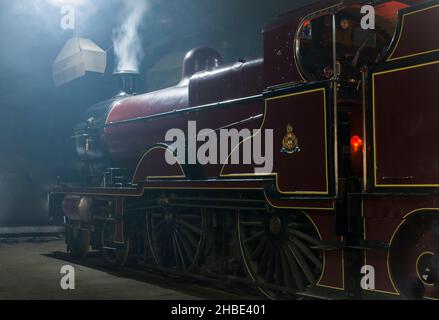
{"x": 127, "y": 41}
{"x": 37, "y": 119}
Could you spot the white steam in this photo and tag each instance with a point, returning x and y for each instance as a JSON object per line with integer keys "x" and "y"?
{"x": 127, "y": 41}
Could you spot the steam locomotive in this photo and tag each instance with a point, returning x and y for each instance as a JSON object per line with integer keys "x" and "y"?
{"x": 350, "y": 207}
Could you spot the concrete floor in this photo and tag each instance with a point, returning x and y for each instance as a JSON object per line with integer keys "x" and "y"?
{"x": 31, "y": 270}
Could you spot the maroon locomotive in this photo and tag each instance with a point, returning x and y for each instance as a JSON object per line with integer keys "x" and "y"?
{"x": 347, "y": 208}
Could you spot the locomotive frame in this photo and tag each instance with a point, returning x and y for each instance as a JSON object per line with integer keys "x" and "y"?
{"x": 352, "y": 223}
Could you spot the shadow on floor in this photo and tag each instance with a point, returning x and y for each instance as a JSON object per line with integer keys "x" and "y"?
{"x": 138, "y": 272}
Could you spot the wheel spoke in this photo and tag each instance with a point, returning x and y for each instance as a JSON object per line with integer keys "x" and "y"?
{"x": 305, "y": 237}
{"x": 161, "y": 236}
{"x": 252, "y": 223}
{"x": 189, "y": 226}
{"x": 166, "y": 248}
{"x": 175, "y": 238}
{"x": 180, "y": 253}
{"x": 188, "y": 236}
{"x": 278, "y": 266}
{"x": 158, "y": 225}
{"x": 307, "y": 252}
{"x": 187, "y": 249}
{"x": 294, "y": 269}
{"x": 174, "y": 252}
{"x": 270, "y": 266}
{"x": 278, "y": 249}
{"x": 254, "y": 237}
{"x": 262, "y": 265}
{"x": 302, "y": 263}
{"x": 259, "y": 249}
{"x": 298, "y": 225}
{"x": 285, "y": 268}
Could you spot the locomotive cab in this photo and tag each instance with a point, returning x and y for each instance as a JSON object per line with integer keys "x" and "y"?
{"x": 356, "y": 47}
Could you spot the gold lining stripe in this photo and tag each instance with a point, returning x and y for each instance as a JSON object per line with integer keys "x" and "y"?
{"x": 394, "y": 234}
{"x": 320, "y": 236}
{"x": 324, "y": 253}
{"x": 183, "y": 175}
{"x": 318, "y": 13}
{"x": 276, "y": 174}
{"x": 323, "y": 263}
{"x": 342, "y": 273}
{"x": 374, "y": 126}
{"x": 396, "y": 292}
{"x": 417, "y": 271}
{"x": 298, "y": 208}
{"x": 403, "y": 220}
{"x": 401, "y": 31}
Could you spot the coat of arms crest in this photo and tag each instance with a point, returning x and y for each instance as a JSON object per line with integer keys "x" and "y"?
{"x": 290, "y": 143}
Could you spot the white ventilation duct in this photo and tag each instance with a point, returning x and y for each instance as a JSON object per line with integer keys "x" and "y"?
{"x": 78, "y": 57}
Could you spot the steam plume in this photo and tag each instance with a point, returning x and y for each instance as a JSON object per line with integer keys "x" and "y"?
{"x": 126, "y": 39}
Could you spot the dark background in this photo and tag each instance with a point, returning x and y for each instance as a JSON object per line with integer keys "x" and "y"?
{"x": 36, "y": 118}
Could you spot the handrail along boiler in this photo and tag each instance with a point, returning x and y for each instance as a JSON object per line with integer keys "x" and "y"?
{"x": 355, "y": 113}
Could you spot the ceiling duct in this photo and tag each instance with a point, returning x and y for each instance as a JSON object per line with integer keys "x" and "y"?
{"x": 77, "y": 57}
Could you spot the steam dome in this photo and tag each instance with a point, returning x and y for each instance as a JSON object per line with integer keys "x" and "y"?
{"x": 200, "y": 59}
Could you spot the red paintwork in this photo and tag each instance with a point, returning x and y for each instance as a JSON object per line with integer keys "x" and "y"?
{"x": 243, "y": 79}
{"x": 389, "y": 10}
{"x": 127, "y": 142}
{"x": 416, "y": 34}
{"x": 304, "y": 171}
{"x": 322, "y": 204}
{"x": 148, "y": 104}
{"x": 333, "y": 273}
{"x": 382, "y": 215}
{"x": 199, "y": 59}
{"x": 406, "y": 113}
{"x": 152, "y": 166}
{"x": 280, "y": 64}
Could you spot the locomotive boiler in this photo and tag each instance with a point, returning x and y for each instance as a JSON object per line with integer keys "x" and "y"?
{"x": 353, "y": 174}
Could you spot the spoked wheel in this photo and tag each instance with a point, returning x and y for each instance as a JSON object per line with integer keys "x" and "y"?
{"x": 414, "y": 257}
{"x": 277, "y": 250}
{"x": 176, "y": 236}
{"x": 115, "y": 254}
{"x": 78, "y": 241}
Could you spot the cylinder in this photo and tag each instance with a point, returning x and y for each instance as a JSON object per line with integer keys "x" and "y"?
{"x": 77, "y": 208}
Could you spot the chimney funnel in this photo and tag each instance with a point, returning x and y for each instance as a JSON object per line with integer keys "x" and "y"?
{"x": 127, "y": 81}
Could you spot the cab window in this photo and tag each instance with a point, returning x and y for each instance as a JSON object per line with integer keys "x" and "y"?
{"x": 356, "y": 47}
